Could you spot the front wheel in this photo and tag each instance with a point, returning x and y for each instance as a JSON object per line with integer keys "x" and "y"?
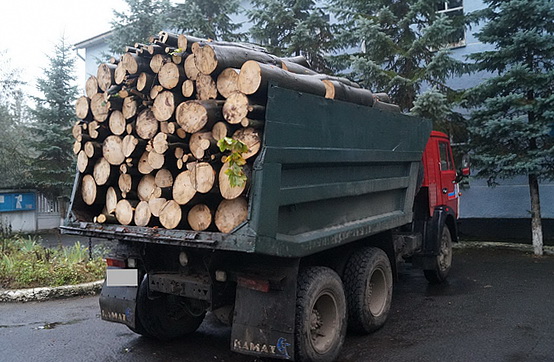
{"x": 166, "y": 316}
{"x": 443, "y": 261}
{"x": 320, "y": 315}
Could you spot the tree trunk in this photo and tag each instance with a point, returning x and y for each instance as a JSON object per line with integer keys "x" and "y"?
{"x": 238, "y": 106}
{"x": 143, "y": 166}
{"x": 112, "y": 198}
{"x": 340, "y": 91}
{"x": 128, "y": 183}
{"x": 202, "y": 176}
{"x": 135, "y": 64}
{"x": 536, "y": 223}
{"x": 145, "y": 82}
{"x": 230, "y": 214}
{"x": 193, "y": 116}
{"x": 83, "y": 163}
{"x": 163, "y": 178}
{"x": 120, "y": 73}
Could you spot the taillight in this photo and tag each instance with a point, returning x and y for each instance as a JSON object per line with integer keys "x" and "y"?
{"x": 118, "y": 263}
{"x": 254, "y": 284}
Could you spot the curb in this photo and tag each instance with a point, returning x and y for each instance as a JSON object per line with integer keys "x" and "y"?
{"x": 548, "y": 250}
{"x": 46, "y": 293}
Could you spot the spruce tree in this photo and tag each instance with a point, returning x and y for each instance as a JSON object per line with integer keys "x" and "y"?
{"x": 207, "y": 19}
{"x": 399, "y": 47}
{"x": 514, "y": 110}
{"x": 293, "y": 27}
{"x": 53, "y": 167}
{"x": 142, "y": 19}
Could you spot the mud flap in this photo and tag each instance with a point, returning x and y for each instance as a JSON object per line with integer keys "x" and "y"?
{"x": 263, "y": 324}
{"x": 118, "y": 304}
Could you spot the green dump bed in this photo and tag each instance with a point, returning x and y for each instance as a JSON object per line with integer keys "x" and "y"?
{"x": 328, "y": 173}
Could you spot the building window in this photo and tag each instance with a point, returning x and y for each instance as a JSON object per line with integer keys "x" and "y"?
{"x": 454, "y": 9}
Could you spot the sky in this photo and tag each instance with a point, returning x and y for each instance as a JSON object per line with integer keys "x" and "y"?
{"x": 31, "y": 29}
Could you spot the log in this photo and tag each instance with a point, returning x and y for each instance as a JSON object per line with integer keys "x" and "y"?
{"x": 227, "y": 82}
{"x": 221, "y": 130}
{"x": 202, "y": 176}
{"x": 77, "y": 131}
{"x": 147, "y": 124}
{"x": 254, "y": 78}
{"x": 98, "y": 131}
{"x": 170, "y": 214}
{"x": 120, "y": 73}
{"x": 135, "y": 64}
{"x": 158, "y": 61}
{"x": 227, "y": 191}
{"x": 82, "y": 108}
{"x": 388, "y": 107}
{"x": 90, "y": 192}
{"x": 155, "y": 91}
{"x": 164, "y": 105}
{"x": 127, "y": 183}
{"x": 103, "y": 172}
{"x": 157, "y": 161}
{"x": 169, "y": 38}
{"x": 93, "y": 149}
{"x": 117, "y": 123}
{"x": 142, "y": 214}
{"x": 146, "y": 187}
{"x": 145, "y": 82}
{"x": 105, "y": 219}
{"x": 83, "y": 164}
{"x": 143, "y": 166}
{"x": 188, "y": 89}
{"x": 254, "y": 123}
{"x": 105, "y": 76}
{"x": 163, "y": 178}
{"x": 383, "y": 97}
{"x": 155, "y": 204}
{"x": 100, "y": 107}
{"x": 129, "y": 108}
{"x": 199, "y": 217}
{"x": 77, "y": 147}
{"x": 205, "y": 87}
{"x": 124, "y": 211}
{"x": 132, "y": 146}
{"x": 154, "y": 49}
{"x": 91, "y": 86}
{"x": 159, "y": 143}
{"x": 112, "y": 198}
{"x": 194, "y": 116}
{"x": 238, "y": 106}
{"x": 183, "y": 188}
{"x": 191, "y": 71}
{"x": 171, "y": 76}
{"x": 343, "y": 92}
{"x": 200, "y": 142}
{"x": 252, "y": 138}
{"x": 112, "y": 149}
{"x": 211, "y": 58}
{"x": 230, "y": 214}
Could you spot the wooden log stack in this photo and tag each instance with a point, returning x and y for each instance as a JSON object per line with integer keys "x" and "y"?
{"x": 146, "y": 141}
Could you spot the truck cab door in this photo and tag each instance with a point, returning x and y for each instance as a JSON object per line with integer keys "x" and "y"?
{"x": 448, "y": 186}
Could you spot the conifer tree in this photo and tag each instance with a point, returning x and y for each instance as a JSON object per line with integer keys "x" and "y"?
{"x": 398, "y": 47}
{"x": 142, "y": 19}
{"x": 293, "y": 27}
{"x": 53, "y": 168}
{"x": 207, "y": 19}
{"x": 514, "y": 110}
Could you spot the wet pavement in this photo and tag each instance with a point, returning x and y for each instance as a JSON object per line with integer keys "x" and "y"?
{"x": 496, "y": 306}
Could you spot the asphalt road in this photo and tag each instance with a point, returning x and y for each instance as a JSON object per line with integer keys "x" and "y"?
{"x": 496, "y": 306}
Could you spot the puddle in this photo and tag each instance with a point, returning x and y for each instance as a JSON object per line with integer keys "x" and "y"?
{"x": 55, "y": 324}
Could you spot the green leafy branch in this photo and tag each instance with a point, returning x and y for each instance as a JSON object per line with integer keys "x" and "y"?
{"x": 236, "y": 174}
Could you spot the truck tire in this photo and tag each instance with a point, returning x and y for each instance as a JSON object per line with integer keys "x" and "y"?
{"x": 443, "y": 261}
{"x": 368, "y": 284}
{"x": 165, "y": 316}
{"x": 320, "y": 315}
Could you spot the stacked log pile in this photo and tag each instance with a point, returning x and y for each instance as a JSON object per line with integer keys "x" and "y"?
{"x": 147, "y": 139}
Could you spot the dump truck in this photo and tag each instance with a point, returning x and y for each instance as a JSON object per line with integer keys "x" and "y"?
{"x": 339, "y": 195}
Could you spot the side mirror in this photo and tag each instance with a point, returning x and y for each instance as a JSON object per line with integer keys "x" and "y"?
{"x": 464, "y": 170}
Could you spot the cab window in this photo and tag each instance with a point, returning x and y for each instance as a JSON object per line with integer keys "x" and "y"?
{"x": 446, "y": 158}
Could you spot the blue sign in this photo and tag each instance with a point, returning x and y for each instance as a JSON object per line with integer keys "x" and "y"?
{"x": 17, "y": 202}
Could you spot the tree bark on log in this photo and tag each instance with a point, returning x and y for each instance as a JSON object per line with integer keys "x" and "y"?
{"x": 135, "y": 64}
{"x": 199, "y": 217}
{"x": 230, "y": 214}
{"x": 145, "y": 82}
{"x": 254, "y": 78}
{"x": 342, "y": 92}
{"x": 389, "y": 107}
{"x": 238, "y": 106}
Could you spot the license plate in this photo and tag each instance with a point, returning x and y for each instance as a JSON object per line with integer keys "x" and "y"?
{"x": 122, "y": 277}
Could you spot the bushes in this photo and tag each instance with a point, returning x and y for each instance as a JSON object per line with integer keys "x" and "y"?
{"x": 24, "y": 263}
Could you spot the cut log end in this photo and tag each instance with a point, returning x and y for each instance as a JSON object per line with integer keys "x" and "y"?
{"x": 230, "y": 214}
{"x": 199, "y": 217}
{"x": 170, "y": 214}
